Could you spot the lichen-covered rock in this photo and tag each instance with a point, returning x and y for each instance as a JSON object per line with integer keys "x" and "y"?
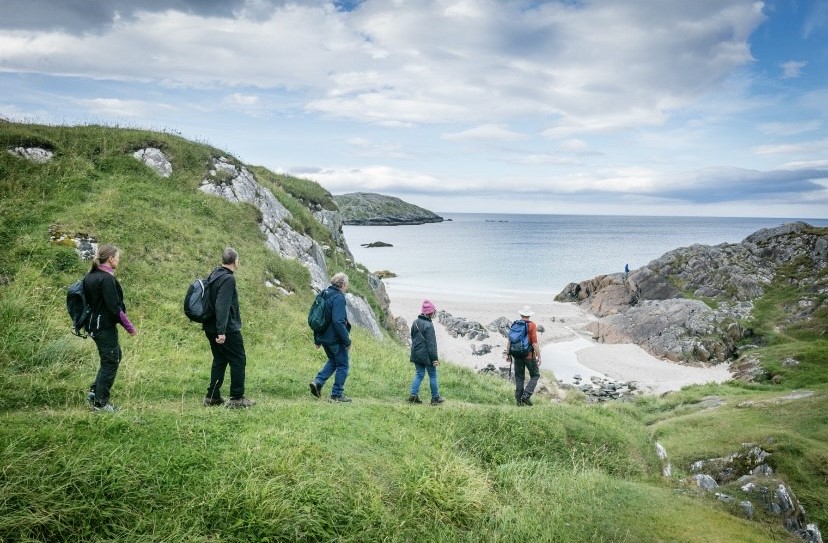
{"x": 155, "y": 159}
{"x": 37, "y": 155}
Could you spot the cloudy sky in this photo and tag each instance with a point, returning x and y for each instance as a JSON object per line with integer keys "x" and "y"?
{"x": 638, "y": 107}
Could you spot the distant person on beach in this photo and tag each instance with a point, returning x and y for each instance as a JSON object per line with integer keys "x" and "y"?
{"x": 530, "y": 361}
{"x": 424, "y": 354}
{"x": 335, "y": 340}
{"x": 106, "y": 299}
{"x": 626, "y": 270}
{"x": 223, "y": 331}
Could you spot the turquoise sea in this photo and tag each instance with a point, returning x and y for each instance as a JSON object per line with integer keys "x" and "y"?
{"x": 484, "y": 254}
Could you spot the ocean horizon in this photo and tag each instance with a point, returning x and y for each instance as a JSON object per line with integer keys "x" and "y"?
{"x": 480, "y": 254}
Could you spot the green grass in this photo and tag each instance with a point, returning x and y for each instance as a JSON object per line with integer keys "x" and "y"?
{"x": 294, "y": 468}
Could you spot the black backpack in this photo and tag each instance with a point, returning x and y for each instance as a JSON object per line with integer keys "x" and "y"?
{"x": 197, "y": 304}
{"x": 318, "y": 316}
{"x": 78, "y": 308}
{"x": 519, "y": 338}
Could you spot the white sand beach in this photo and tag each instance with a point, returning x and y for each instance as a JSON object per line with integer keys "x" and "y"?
{"x": 566, "y": 349}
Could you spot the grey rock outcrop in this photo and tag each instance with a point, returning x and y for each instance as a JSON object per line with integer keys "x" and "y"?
{"x": 599, "y": 389}
{"x": 462, "y": 327}
{"x": 237, "y": 184}
{"x": 155, "y": 159}
{"x": 35, "y": 154}
{"x": 332, "y": 220}
{"x": 654, "y": 306}
{"x": 746, "y": 479}
{"x": 361, "y": 314}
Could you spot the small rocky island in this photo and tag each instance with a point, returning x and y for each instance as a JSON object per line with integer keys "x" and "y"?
{"x": 371, "y": 209}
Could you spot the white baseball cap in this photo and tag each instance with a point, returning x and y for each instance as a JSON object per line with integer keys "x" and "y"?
{"x": 526, "y": 311}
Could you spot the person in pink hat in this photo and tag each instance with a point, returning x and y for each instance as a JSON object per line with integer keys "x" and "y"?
{"x": 424, "y": 354}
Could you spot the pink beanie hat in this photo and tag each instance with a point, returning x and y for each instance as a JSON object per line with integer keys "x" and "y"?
{"x": 428, "y": 307}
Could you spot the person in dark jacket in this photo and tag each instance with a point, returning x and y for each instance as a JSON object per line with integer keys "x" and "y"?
{"x": 223, "y": 331}
{"x": 106, "y": 300}
{"x": 424, "y": 354}
{"x": 335, "y": 340}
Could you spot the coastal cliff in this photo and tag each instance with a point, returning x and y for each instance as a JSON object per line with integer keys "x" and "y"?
{"x": 370, "y": 209}
{"x": 695, "y": 304}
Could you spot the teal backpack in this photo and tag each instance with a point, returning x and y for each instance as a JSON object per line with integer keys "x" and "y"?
{"x": 318, "y": 316}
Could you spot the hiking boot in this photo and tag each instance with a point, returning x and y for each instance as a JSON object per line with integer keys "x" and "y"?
{"x": 438, "y": 400}
{"x": 90, "y": 397}
{"x": 211, "y": 402}
{"x": 239, "y": 403}
{"x": 107, "y": 408}
{"x": 414, "y": 399}
{"x": 341, "y": 398}
{"x": 315, "y": 389}
{"x": 519, "y": 402}
{"x": 525, "y": 401}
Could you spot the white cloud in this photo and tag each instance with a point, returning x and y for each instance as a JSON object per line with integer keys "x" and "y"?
{"x": 792, "y": 69}
{"x": 409, "y": 63}
{"x": 115, "y": 107}
{"x": 789, "y": 129}
{"x": 245, "y": 100}
{"x": 363, "y": 147}
{"x": 488, "y": 132}
{"x": 817, "y": 146}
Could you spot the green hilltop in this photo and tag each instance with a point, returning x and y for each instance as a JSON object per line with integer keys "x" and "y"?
{"x": 368, "y": 208}
{"x": 294, "y": 468}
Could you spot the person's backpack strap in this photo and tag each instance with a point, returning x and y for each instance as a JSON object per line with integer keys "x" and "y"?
{"x": 417, "y": 326}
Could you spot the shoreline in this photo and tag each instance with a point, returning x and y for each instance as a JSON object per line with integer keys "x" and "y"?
{"x": 566, "y": 350}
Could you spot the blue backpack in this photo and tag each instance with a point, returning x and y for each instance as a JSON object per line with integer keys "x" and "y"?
{"x": 519, "y": 338}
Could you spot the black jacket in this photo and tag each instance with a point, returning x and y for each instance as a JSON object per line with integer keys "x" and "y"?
{"x": 225, "y": 301}
{"x": 423, "y": 342}
{"x": 106, "y": 299}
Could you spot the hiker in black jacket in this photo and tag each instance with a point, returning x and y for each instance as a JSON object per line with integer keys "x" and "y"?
{"x": 106, "y": 300}
{"x": 223, "y": 331}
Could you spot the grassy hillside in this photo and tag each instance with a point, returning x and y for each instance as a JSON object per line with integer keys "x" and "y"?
{"x": 294, "y": 468}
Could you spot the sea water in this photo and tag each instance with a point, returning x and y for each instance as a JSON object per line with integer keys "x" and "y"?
{"x": 491, "y": 255}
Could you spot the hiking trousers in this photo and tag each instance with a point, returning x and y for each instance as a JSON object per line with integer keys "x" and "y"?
{"x": 230, "y": 353}
{"x": 110, "y": 352}
{"x": 521, "y": 364}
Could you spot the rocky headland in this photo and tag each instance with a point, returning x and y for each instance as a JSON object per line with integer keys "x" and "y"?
{"x": 370, "y": 209}
{"x": 694, "y": 304}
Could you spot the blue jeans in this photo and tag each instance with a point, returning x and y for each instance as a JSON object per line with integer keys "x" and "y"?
{"x": 419, "y": 373}
{"x": 337, "y": 364}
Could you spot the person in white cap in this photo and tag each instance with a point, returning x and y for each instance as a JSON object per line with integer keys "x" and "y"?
{"x": 522, "y": 348}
